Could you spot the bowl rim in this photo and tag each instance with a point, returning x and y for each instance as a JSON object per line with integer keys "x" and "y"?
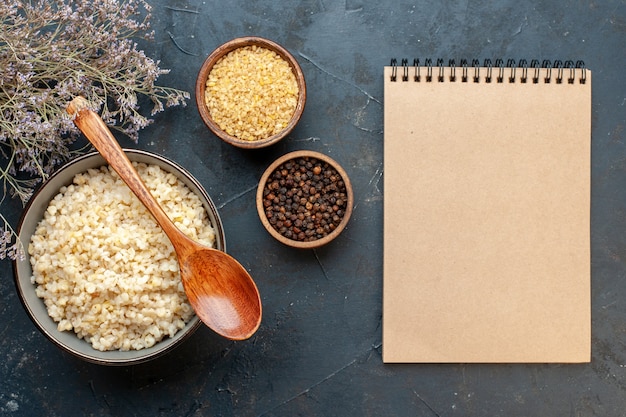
{"x": 44, "y": 323}
{"x": 206, "y": 68}
{"x": 261, "y": 210}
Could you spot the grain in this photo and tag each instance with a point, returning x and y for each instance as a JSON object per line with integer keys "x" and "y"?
{"x": 103, "y": 266}
{"x": 251, "y": 93}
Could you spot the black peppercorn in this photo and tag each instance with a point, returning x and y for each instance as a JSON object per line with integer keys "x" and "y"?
{"x": 305, "y": 199}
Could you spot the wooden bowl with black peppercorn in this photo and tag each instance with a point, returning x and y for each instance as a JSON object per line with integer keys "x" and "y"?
{"x": 304, "y": 199}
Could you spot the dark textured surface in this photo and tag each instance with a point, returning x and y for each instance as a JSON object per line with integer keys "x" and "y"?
{"x": 318, "y": 351}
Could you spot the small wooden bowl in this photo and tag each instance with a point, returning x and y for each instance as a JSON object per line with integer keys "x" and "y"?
{"x": 260, "y": 197}
{"x": 203, "y": 75}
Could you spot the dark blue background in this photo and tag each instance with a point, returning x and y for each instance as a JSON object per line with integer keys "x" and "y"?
{"x": 318, "y": 351}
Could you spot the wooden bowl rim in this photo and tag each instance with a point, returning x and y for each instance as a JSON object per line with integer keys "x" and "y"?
{"x": 230, "y": 46}
{"x": 295, "y": 243}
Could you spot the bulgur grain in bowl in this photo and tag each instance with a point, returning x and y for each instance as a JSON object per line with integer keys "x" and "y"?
{"x": 250, "y": 92}
{"x": 100, "y": 278}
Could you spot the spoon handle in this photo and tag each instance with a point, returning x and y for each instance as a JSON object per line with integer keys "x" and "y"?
{"x": 94, "y": 128}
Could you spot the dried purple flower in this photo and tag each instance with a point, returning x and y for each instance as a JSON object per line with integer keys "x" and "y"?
{"x": 10, "y": 246}
{"x": 52, "y": 51}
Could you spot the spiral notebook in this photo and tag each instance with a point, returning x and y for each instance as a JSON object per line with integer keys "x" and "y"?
{"x": 487, "y": 212}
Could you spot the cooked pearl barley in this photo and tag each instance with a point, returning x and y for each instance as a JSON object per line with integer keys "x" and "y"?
{"x": 103, "y": 266}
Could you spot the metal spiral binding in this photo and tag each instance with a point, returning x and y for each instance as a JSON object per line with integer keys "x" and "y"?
{"x": 394, "y": 69}
{"x": 557, "y": 71}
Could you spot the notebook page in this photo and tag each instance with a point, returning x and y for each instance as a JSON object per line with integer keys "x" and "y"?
{"x": 486, "y": 221}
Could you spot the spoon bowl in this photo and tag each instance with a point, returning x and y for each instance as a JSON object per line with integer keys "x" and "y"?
{"x": 220, "y": 290}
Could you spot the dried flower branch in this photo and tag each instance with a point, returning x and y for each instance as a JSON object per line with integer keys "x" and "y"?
{"x": 52, "y": 51}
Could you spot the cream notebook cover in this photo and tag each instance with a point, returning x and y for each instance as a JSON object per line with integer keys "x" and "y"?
{"x": 487, "y": 213}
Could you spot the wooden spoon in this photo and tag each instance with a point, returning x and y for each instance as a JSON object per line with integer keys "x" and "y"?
{"x": 220, "y": 290}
